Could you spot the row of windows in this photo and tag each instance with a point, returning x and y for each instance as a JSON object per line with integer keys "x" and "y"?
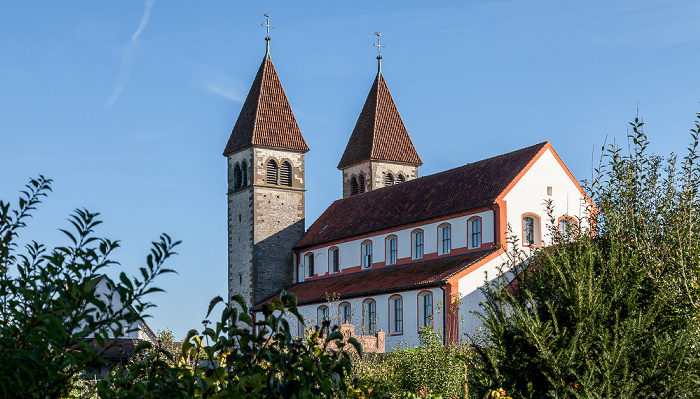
{"x": 531, "y": 229}
{"x": 358, "y": 184}
{"x": 278, "y": 175}
{"x": 391, "y": 245}
{"x": 369, "y": 313}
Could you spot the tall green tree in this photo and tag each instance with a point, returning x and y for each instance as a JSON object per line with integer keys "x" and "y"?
{"x": 615, "y": 312}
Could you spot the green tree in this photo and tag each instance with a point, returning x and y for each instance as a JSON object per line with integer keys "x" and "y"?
{"x": 49, "y": 309}
{"x": 615, "y": 312}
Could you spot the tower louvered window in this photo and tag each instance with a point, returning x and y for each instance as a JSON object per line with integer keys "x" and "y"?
{"x": 286, "y": 174}
{"x": 389, "y": 180}
{"x": 244, "y": 174}
{"x": 362, "y": 183}
{"x": 271, "y": 172}
{"x": 237, "y": 176}
{"x": 355, "y": 188}
{"x": 400, "y": 179}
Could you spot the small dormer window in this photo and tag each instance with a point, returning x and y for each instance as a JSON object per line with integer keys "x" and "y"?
{"x": 272, "y": 171}
{"x": 286, "y": 174}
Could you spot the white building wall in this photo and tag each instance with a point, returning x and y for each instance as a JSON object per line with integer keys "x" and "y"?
{"x": 410, "y": 335}
{"x": 350, "y": 252}
{"x": 530, "y": 194}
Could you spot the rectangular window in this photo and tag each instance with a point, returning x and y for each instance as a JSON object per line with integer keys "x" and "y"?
{"x": 334, "y": 260}
{"x": 346, "y": 314}
{"x": 427, "y": 309}
{"x": 418, "y": 245}
{"x": 324, "y": 314}
{"x": 371, "y": 317}
{"x": 476, "y": 233}
{"x": 310, "y": 264}
{"x": 528, "y": 230}
{"x": 446, "y": 240}
{"x": 367, "y": 254}
{"x": 391, "y": 258}
{"x": 398, "y": 315}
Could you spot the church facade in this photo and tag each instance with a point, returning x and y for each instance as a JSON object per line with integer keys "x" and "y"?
{"x": 397, "y": 252}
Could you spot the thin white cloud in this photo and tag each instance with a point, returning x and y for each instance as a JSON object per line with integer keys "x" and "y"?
{"x": 226, "y": 92}
{"x": 128, "y": 59}
{"x": 220, "y": 84}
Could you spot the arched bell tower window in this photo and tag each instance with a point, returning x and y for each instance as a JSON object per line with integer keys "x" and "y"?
{"x": 286, "y": 174}
{"x": 400, "y": 179}
{"x": 237, "y": 176}
{"x": 362, "y": 183}
{"x": 244, "y": 174}
{"x": 389, "y": 180}
{"x": 355, "y": 189}
{"x": 271, "y": 172}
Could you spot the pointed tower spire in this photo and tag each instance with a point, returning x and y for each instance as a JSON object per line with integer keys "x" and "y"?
{"x": 266, "y": 118}
{"x": 380, "y": 151}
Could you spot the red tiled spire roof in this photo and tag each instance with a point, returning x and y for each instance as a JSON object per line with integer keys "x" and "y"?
{"x": 466, "y": 187}
{"x": 379, "y": 133}
{"x": 387, "y": 279}
{"x": 266, "y": 118}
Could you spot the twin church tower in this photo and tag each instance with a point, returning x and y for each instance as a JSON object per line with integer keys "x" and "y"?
{"x": 266, "y": 183}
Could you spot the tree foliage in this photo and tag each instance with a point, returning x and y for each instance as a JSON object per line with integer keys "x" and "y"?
{"x": 615, "y": 312}
{"x": 53, "y": 324}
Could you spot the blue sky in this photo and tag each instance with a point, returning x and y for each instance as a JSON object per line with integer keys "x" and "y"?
{"x": 128, "y": 105}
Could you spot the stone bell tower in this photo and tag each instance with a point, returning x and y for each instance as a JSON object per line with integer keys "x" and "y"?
{"x": 380, "y": 152}
{"x": 265, "y": 155}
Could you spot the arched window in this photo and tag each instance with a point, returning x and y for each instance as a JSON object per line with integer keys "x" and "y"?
{"x": 391, "y": 250}
{"x": 345, "y": 313}
{"x": 355, "y": 187}
{"x": 417, "y": 244}
{"x": 286, "y": 174}
{"x": 369, "y": 312}
{"x": 425, "y": 309}
{"x": 237, "y": 176}
{"x": 445, "y": 237}
{"x": 309, "y": 264}
{"x": 244, "y": 177}
{"x": 531, "y": 230}
{"x": 271, "y": 172}
{"x": 400, "y": 179}
{"x": 367, "y": 254}
{"x": 362, "y": 183}
{"x": 396, "y": 314}
{"x": 323, "y": 314}
{"x": 389, "y": 180}
{"x": 333, "y": 260}
{"x": 475, "y": 232}
{"x": 567, "y": 228}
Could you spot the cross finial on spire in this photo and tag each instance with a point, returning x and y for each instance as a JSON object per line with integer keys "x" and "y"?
{"x": 267, "y": 38}
{"x": 379, "y": 51}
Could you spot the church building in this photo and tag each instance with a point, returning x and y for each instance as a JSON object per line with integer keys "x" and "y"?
{"x": 397, "y": 252}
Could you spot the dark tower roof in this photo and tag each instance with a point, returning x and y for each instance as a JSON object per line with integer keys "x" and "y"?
{"x": 379, "y": 133}
{"x": 266, "y": 118}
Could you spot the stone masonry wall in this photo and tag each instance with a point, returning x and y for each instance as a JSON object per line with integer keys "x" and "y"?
{"x": 374, "y": 174}
{"x": 240, "y": 232}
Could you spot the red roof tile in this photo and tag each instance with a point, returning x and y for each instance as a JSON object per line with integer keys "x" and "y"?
{"x": 470, "y": 186}
{"x": 396, "y": 278}
{"x": 266, "y": 118}
{"x": 379, "y": 133}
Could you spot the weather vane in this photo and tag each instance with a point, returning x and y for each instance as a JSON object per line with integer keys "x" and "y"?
{"x": 267, "y": 25}
{"x": 379, "y": 44}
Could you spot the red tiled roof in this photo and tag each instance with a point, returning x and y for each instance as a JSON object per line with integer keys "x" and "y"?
{"x": 266, "y": 118}
{"x": 466, "y": 187}
{"x": 395, "y": 278}
{"x": 379, "y": 133}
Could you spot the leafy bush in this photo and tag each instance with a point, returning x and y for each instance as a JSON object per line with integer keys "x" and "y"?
{"x": 615, "y": 313}
{"x": 49, "y": 310}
